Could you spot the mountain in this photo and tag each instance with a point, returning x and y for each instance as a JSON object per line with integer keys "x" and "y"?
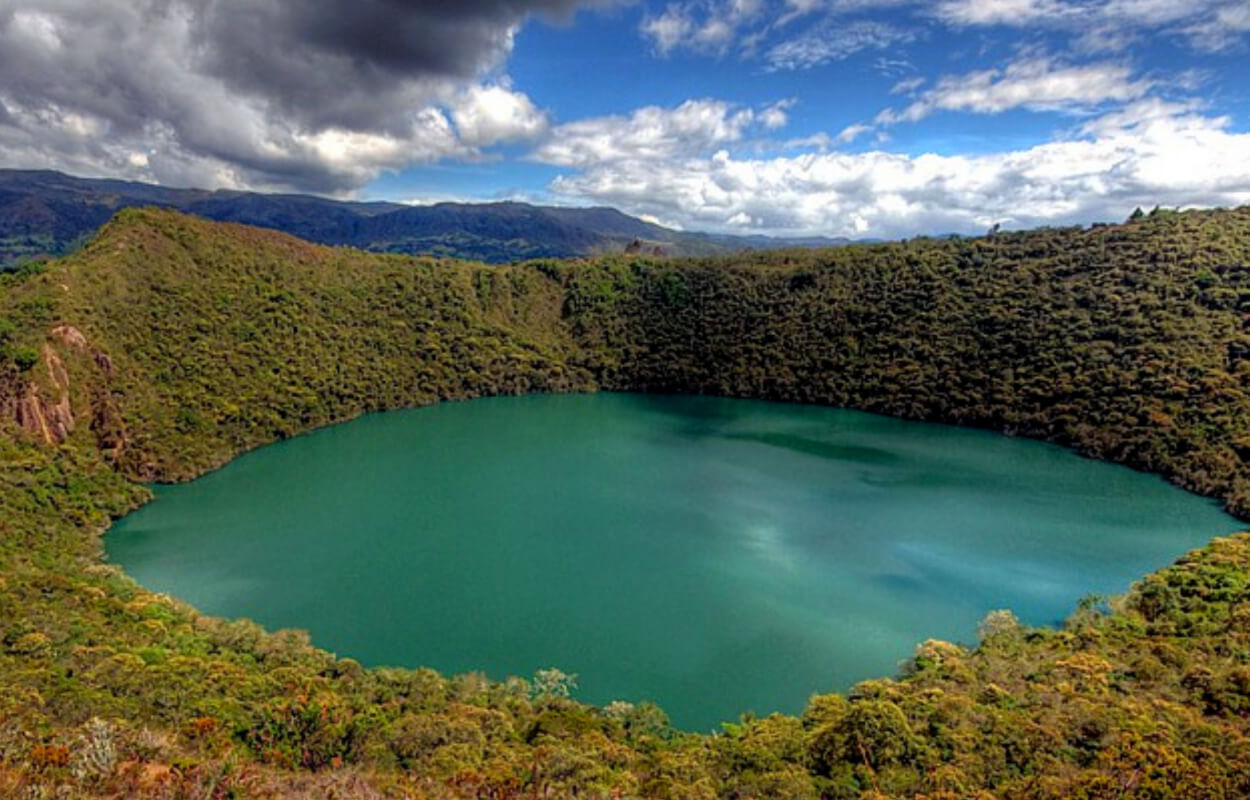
{"x": 169, "y": 344}
{"x": 44, "y": 213}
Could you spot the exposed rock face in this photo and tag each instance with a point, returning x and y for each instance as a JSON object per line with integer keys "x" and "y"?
{"x": 45, "y": 410}
{"x": 51, "y": 420}
{"x": 70, "y": 336}
{"x": 104, "y": 363}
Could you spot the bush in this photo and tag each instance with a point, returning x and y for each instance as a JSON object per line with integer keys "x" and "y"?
{"x": 310, "y": 731}
{"x": 25, "y": 358}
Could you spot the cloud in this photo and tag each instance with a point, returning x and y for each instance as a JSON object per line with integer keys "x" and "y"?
{"x": 776, "y": 116}
{"x": 1225, "y": 29}
{"x": 908, "y": 86}
{"x": 834, "y": 41}
{"x": 1037, "y": 84}
{"x": 487, "y": 115}
{"x": 669, "y": 30}
{"x": 801, "y": 34}
{"x": 309, "y": 96}
{"x": 654, "y": 134}
{"x": 334, "y": 62}
{"x": 1149, "y": 153}
{"x": 702, "y": 26}
{"x": 714, "y": 27}
{"x": 1109, "y": 24}
{"x": 1143, "y": 113}
{"x": 1014, "y": 13}
{"x": 852, "y": 132}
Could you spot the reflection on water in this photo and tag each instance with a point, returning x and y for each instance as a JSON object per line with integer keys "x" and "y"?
{"x": 712, "y": 555}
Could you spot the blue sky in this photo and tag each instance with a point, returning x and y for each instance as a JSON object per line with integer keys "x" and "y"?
{"x": 873, "y": 118}
{"x": 840, "y": 65}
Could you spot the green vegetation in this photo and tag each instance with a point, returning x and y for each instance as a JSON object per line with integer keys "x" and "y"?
{"x": 169, "y": 345}
{"x": 1126, "y": 343}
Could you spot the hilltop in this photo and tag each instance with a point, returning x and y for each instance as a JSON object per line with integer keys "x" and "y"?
{"x": 169, "y": 344}
{"x": 44, "y": 213}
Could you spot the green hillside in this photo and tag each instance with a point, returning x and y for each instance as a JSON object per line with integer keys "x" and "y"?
{"x": 170, "y": 344}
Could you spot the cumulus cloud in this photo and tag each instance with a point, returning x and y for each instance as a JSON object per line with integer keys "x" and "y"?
{"x": 487, "y": 115}
{"x": 1037, "y": 83}
{"x": 311, "y": 96}
{"x": 1148, "y": 153}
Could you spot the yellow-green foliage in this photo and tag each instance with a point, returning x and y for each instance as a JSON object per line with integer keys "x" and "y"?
{"x": 199, "y": 341}
{"x": 225, "y": 337}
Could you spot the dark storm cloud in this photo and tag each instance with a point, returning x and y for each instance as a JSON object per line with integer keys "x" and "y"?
{"x": 308, "y": 94}
{"x": 338, "y": 61}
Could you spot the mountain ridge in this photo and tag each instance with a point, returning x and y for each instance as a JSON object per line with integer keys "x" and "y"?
{"x": 46, "y": 213}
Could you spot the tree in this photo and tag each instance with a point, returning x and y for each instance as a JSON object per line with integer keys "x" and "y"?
{"x": 552, "y": 682}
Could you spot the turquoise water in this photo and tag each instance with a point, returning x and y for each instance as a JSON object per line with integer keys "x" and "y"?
{"x": 711, "y": 555}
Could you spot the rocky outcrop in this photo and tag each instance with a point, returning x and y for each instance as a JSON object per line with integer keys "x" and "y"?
{"x": 45, "y": 409}
{"x": 52, "y": 420}
{"x": 70, "y": 336}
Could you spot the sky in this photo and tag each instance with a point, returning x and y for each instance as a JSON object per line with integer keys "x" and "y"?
{"x": 859, "y": 118}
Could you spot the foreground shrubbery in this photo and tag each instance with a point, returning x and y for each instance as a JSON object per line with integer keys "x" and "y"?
{"x": 189, "y": 342}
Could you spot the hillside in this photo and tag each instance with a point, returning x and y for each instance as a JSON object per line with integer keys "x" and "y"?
{"x": 170, "y": 344}
{"x": 50, "y": 214}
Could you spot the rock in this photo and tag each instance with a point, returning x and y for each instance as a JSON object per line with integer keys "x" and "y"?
{"x": 71, "y": 336}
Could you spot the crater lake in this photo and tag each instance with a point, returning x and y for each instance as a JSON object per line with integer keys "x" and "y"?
{"x": 712, "y": 555}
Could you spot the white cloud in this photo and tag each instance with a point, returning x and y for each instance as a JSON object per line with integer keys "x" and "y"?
{"x": 1015, "y": 13}
{"x": 776, "y": 116}
{"x": 852, "y": 132}
{"x": 908, "y": 86}
{"x": 1109, "y": 24}
{"x": 1142, "y": 113}
{"x": 654, "y": 133}
{"x": 1150, "y": 153}
{"x": 488, "y": 115}
{"x": 705, "y": 26}
{"x": 1038, "y": 84}
{"x": 796, "y": 9}
{"x": 1220, "y": 32}
{"x": 799, "y": 34}
{"x": 834, "y": 41}
{"x": 670, "y": 30}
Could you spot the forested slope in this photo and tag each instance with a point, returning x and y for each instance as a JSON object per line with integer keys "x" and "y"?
{"x": 1128, "y": 342}
{"x": 170, "y": 344}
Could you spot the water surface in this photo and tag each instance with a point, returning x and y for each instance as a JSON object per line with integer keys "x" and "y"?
{"x": 712, "y": 555}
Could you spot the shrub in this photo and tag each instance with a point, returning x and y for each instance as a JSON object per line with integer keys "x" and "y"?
{"x": 24, "y": 358}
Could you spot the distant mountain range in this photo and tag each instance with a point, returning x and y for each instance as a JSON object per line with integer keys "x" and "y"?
{"x": 44, "y": 213}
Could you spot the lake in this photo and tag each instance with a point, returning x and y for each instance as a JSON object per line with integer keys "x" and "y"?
{"x": 713, "y": 555}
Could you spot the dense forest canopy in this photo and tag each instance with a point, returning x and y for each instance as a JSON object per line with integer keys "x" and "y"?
{"x": 170, "y": 344}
